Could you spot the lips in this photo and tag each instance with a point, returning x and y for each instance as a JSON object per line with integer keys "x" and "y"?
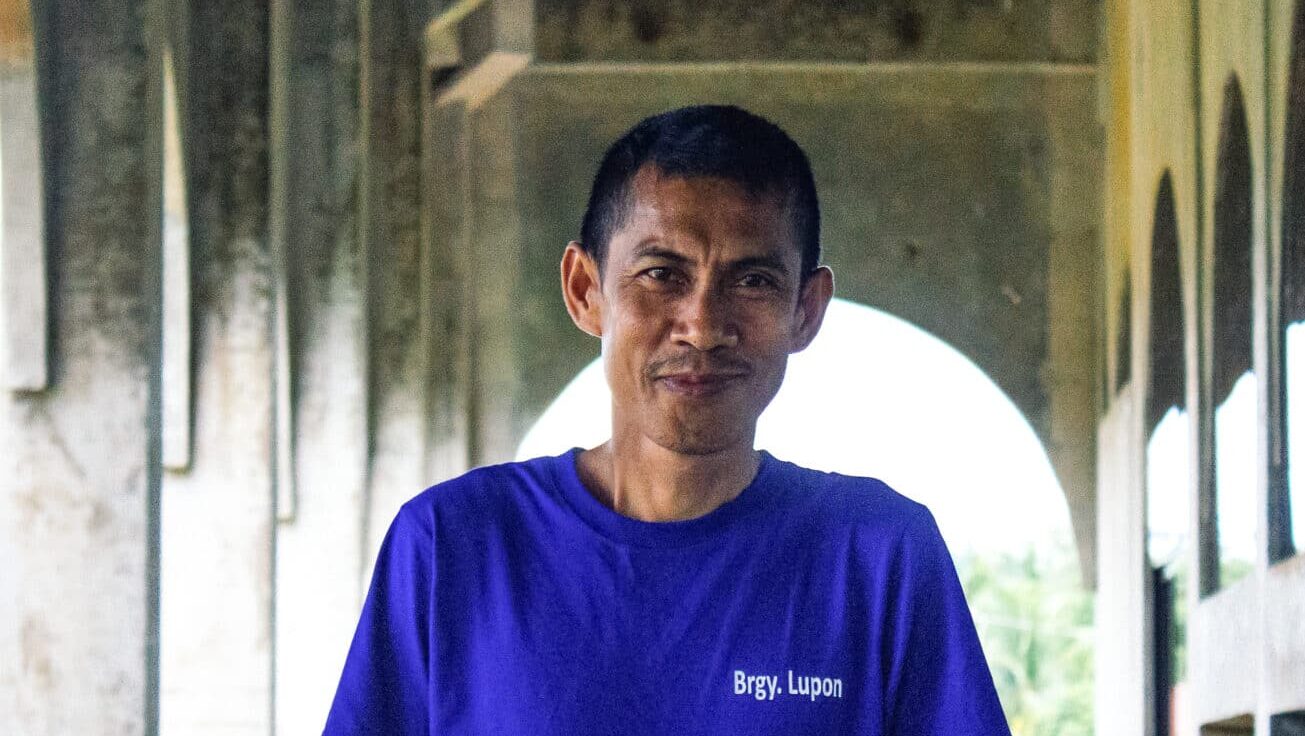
{"x": 699, "y": 384}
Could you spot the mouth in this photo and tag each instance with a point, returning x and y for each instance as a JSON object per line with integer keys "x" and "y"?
{"x": 699, "y": 384}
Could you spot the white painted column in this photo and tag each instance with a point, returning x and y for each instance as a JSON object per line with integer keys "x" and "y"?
{"x": 1122, "y": 701}
{"x": 218, "y": 515}
{"x": 79, "y": 445}
{"x": 320, "y": 545}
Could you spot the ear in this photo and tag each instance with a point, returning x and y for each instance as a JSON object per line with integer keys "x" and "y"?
{"x": 582, "y": 289}
{"x": 812, "y": 302}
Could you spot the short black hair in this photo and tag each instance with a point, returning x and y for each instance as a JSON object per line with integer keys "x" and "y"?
{"x": 705, "y": 140}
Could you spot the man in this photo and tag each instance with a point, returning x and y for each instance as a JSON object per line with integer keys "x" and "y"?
{"x": 674, "y": 580}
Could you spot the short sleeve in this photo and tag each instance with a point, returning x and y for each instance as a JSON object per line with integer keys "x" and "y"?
{"x": 937, "y": 679}
{"x": 383, "y": 689}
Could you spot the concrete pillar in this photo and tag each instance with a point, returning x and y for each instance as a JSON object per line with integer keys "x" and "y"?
{"x": 1068, "y": 377}
{"x": 217, "y": 517}
{"x": 498, "y": 365}
{"x": 446, "y": 230}
{"x": 1122, "y": 699}
{"x": 320, "y": 564}
{"x": 471, "y": 138}
{"x": 79, "y": 457}
{"x": 399, "y": 277}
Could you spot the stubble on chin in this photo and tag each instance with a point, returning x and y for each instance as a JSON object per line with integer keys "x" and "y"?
{"x": 695, "y": 435}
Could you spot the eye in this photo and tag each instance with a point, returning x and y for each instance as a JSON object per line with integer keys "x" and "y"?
{"x": 756, "y": 280}
{"x": 660, "y": 274}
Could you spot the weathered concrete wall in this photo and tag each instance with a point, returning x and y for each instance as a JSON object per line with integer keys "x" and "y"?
{"x": 824, "y": 30}
{"x": 79, "y": 478}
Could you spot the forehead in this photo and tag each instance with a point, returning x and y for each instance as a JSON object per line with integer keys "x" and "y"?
{"x": 703, "y": 211}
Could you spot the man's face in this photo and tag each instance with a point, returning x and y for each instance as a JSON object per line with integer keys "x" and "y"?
{"x": 700, "y": 303}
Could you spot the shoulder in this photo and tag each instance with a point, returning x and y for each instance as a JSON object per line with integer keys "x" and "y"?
{"x": 480, "y": 491}
{"x": 856, "y": 502}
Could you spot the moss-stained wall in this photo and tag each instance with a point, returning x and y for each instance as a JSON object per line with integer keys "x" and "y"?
{"x": 829, "y": 30}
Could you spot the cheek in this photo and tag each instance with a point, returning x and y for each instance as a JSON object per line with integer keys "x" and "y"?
{"x": 768, "y": 330}
{"x": 627, "y": 345}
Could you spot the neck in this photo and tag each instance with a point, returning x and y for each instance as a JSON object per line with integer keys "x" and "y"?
{"x": 640, "y": 479}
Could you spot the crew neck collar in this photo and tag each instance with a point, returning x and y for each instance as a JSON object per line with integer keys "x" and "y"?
{"x": 759, "y": 493}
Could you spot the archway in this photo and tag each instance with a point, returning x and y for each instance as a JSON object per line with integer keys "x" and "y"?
{"x": 1233, "y": 380}
{"x": 875, "y": 395}
{"x": 1167, "y": 461}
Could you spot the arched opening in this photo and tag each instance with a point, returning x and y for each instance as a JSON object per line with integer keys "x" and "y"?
{"x": 1167, "y": 461}
{"x": 1287, "y": 513}
{"x": 875, "y": 395}
{"x": 1233, "y": 380}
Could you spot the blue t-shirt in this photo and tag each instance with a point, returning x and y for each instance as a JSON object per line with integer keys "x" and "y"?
{"x": 511, "y": 601}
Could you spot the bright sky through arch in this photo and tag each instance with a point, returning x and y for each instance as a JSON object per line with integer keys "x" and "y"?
{"x": 876, "y": 396}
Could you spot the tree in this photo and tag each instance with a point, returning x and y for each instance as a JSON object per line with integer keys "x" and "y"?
{"x": 1035, "y": 621}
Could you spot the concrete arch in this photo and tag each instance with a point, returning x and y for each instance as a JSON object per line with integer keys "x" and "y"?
{"x": 1231, "y": 317}
{"x": 970, "y": 214}
{"x": 870, "y": 414}
{"x": 1166, "y": 484}
{"x": 1231, "y": 222}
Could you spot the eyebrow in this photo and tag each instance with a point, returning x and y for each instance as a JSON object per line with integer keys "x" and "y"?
{"x": 770, "y": 261}
{"x": 651, "y": 249}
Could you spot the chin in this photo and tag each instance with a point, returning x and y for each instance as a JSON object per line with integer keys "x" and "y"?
{"x": 698, "y": 440}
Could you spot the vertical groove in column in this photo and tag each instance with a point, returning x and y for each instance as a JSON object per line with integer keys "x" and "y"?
{"x": 24, "y": 307}
{"x": 161, "y": 118}
{"x": 177, "y": 368}
{"x": 280, "y": 31}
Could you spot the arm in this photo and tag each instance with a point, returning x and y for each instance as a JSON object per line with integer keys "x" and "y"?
{"x": 384, "y": 687}
{"x": 937, "y": 679}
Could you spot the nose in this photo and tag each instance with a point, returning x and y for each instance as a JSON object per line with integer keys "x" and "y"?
{"x": 706, "y": 321}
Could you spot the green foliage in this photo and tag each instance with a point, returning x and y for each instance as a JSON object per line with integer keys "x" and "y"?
{"x": 1035, "y": 621}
